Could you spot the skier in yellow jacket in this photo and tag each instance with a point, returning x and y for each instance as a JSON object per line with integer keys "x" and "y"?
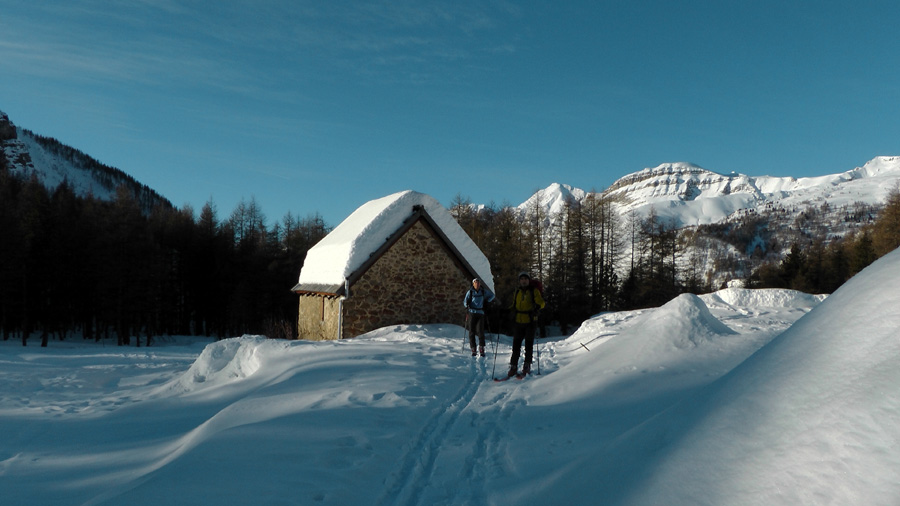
{"x": 526, "y": 303}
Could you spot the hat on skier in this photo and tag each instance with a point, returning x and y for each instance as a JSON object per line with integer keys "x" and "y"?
{"x": 524, "y": 275}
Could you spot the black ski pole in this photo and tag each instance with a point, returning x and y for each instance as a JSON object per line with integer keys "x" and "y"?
{"x": 538, "y": 344}
{"x": 486, "y": 318}
{"x": 465, "y": 328}
{"x": 496, "y": 345}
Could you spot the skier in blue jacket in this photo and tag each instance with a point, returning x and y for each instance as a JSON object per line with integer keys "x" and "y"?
{"x": 475, "y": 301}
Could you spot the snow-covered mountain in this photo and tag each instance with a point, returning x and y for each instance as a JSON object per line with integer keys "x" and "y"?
{"x": 722, "y": 208}
{"x": 553, "y": 198}
{"x": 27, "y": 154}
{"x": 682, "y": 193}
{"x": 690, "y": 195}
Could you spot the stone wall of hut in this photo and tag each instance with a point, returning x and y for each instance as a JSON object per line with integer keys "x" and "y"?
{"x": 418, "y": 280}
{"x": 319, "y": 317}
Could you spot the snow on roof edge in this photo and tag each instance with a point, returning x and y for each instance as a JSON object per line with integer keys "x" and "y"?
{"x": 349, "y": 245}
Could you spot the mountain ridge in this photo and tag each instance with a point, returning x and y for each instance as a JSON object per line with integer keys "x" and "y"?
{"x": 683, "y": 192}
{"x": 26, "y": 153}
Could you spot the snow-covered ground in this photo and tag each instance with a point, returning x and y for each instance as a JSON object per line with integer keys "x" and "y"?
{"x": 740, "y": 397}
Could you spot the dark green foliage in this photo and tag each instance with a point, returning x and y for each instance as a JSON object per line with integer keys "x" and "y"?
{"x": 886, "y": 231}
{"x": 749, "y": 233}
{"x": 653, "y": 278}
{"x": 502, "y": 239}
{"x": 127, "y": 270}
{"x": 574, "y": 260}
{"x": 111, "y": 270}
{"x": 823, "y": 268}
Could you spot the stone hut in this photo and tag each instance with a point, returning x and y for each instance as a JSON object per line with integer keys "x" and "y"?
{"x": 401, "y": 259}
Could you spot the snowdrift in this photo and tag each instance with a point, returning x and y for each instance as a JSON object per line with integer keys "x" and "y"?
{"x": 682, "y": 323}
{"x": 219, "y": 364}
{"x": 811, "y": 418}
{"x": 738, "y": 397}
{"x": 765, "y": 297}
{"x": 651, "y": 347}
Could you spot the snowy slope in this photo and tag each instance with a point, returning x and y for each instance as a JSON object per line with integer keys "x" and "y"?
{"x": 812, "y": 418}
{"x": 53, "y": 170}
{"x": 738, "y": 397}
{"x": 689, "y": 195}
{"x": 553, "y": 198}
{"x": 53, "y": 163}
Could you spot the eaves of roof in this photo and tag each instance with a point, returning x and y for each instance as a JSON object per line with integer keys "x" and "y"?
{"x": 418, "y": 213}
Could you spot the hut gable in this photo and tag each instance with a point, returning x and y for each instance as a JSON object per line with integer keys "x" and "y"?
{"x": 399, "y": 259}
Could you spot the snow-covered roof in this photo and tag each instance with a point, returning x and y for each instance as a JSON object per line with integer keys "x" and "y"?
{"x": 337, "y": 256}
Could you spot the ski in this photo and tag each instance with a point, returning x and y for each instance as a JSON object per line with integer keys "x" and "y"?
{"x": 522, "y": 375}
{"x": 519, "y": 376}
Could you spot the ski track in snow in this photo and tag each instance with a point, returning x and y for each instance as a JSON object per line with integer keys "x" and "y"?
{"x": 458, "y": 425}
{"x": 417, "y": 464}
{"x": 417, "y": 421}
{"x": 409, "y": 480}
{"x": 491, "y": 441}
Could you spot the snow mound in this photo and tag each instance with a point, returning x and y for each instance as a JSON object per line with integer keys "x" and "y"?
{"x": 683, "y": 323}
{"x": 220, "y": 363}
{"x": 813, "y": 415}
{"x": 765, "y": 297}
{"x": 670, "y": 342}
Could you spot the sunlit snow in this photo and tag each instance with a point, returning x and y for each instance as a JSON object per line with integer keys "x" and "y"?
{"x": 738, "y": 397}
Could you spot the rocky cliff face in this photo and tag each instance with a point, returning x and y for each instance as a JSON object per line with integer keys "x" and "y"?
{"x": 13, "y": 153}
{"x": 7, "y": 129}
{"x": 679, "y": 181}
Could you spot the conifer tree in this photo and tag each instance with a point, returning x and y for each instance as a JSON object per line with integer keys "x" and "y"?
{"x": 886, "y": 230}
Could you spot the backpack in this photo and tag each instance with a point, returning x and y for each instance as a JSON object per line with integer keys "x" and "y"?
{"x": 536, "y": 284}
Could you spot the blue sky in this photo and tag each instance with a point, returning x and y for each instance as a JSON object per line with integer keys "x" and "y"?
{"x": 312, "y": 106}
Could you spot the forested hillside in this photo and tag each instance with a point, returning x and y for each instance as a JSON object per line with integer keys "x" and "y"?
{"x": 26, "y": 153}
{"x": 107, "y": 270}
{"x": 591, "y": 259}
{"x": 124, "y": 264}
